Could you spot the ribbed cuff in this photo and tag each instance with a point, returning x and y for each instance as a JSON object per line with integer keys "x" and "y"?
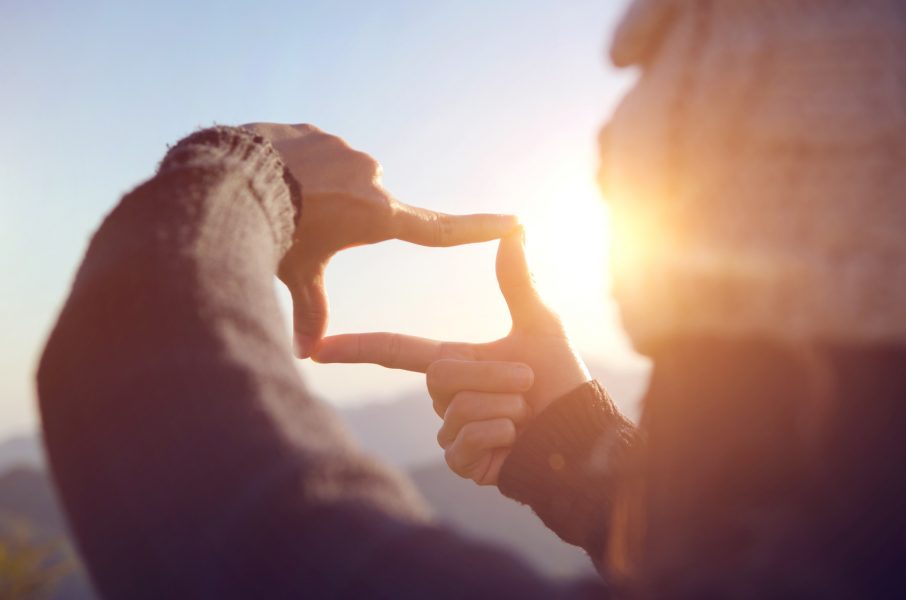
{"x": 276, "y": 190}
{"x": 565, "y": 463}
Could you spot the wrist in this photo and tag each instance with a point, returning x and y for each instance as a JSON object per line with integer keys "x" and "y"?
{"x": 566, "y": 373}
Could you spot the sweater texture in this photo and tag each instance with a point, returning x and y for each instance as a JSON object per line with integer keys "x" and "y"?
{"x": 757, "y": 170}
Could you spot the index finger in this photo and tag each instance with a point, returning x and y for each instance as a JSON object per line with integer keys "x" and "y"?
{"x": 428, "y": 228}
{"x": 391, "y": 350}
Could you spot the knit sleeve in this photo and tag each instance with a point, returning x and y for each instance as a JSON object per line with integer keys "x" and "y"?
{"x": 568, "y": 463}
{"x": 189, "y": 458}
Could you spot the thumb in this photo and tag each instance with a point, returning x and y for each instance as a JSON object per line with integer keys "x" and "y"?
{"x": 310, "y": 310}
{"x": 527, "y": 309}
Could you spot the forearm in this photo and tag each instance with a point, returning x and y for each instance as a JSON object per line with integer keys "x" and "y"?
{"x": 176, "y": 423}
{"x": 568, "y": 466}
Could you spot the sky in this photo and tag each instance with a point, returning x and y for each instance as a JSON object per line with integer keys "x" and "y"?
{"x": 470, "y": 106}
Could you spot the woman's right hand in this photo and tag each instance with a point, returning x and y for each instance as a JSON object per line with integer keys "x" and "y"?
{"x": 495, "y": 387}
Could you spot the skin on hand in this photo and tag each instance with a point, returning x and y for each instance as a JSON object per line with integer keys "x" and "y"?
{"x": 345, "y": 205}
{"x": 480, "y": 427}
{"x": 476, "y": 387}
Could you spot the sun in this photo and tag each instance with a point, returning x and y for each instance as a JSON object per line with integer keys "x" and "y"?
{"x": 568, "y": 242}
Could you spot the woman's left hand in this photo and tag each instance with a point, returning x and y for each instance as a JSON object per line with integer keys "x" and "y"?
{"x": 345, "y": 205}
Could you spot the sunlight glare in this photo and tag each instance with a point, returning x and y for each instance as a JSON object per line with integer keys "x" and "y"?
{"x": 567, "y": 240}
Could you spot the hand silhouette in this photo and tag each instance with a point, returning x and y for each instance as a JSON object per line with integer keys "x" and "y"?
{"x": 484, "y": 391}
{"x": 345, "y": 205}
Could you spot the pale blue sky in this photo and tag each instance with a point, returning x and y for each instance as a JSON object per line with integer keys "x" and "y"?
{"x": 470, "y": 106}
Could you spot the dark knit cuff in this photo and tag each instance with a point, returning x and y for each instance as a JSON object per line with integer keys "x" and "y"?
{"x": 565, "y": 463}
{"x": 276, "y": 190}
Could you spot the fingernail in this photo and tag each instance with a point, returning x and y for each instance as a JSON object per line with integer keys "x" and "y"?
{"x": 302, "y": 346}
{"x": 523, "y": 376}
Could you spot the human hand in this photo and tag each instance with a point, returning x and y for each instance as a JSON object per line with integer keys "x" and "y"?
{"x": 345, "y": 205}
{"x": 483, "y": 406}
{"x": 481, "y": 380}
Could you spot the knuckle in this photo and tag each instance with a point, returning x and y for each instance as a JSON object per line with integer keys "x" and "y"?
{"x": 366, "y": 159}
{"x": 310, "y": 322}
{"x": 437, "y": 234}
{"x": 442, "y": 438}
{"x": 434, "y": 375}
{"x": 470, "y": 435}
{"x": 454, "y": 462}
{"x": 441, "y": 229}
{"x": 309, "y": 311}
{"x": 509, "y": 431}
{"x": 368, "y": 165}
{"x": 439, "y": 407}
{"x": 524, "y": 411}
{"x": 450, "y": 459}
{"x": 456, "y": 351}
{"x": 377, "y": 171}
{"x": 393, "y": 349}
{"x": 387, "y": 209}
{"x": 452, "y": 411}
{"x": 359, "y": 350}
{"x": 461, "y": 402}
{"x": 465, "y": 403}
{"x": 331, "y": 141}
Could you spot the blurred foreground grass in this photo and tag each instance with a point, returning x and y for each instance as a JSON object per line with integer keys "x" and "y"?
{"x": 31, "y": 565}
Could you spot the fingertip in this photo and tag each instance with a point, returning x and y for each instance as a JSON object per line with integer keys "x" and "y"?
{"x": 468, "y": 229}
{"x": 524, "y": 377}
{"x": 514, "y": 239}
{"x": 517, "y": 233}
{"x": 504, "y": 226}
{"x": 303, "y": 345}
{"x": 430, "y": 228}
{"x": 510, "y": 223}
{"x": 511, "y": 258}
{"x": 332, "y": 349}
{"x": 320, "y": 353}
